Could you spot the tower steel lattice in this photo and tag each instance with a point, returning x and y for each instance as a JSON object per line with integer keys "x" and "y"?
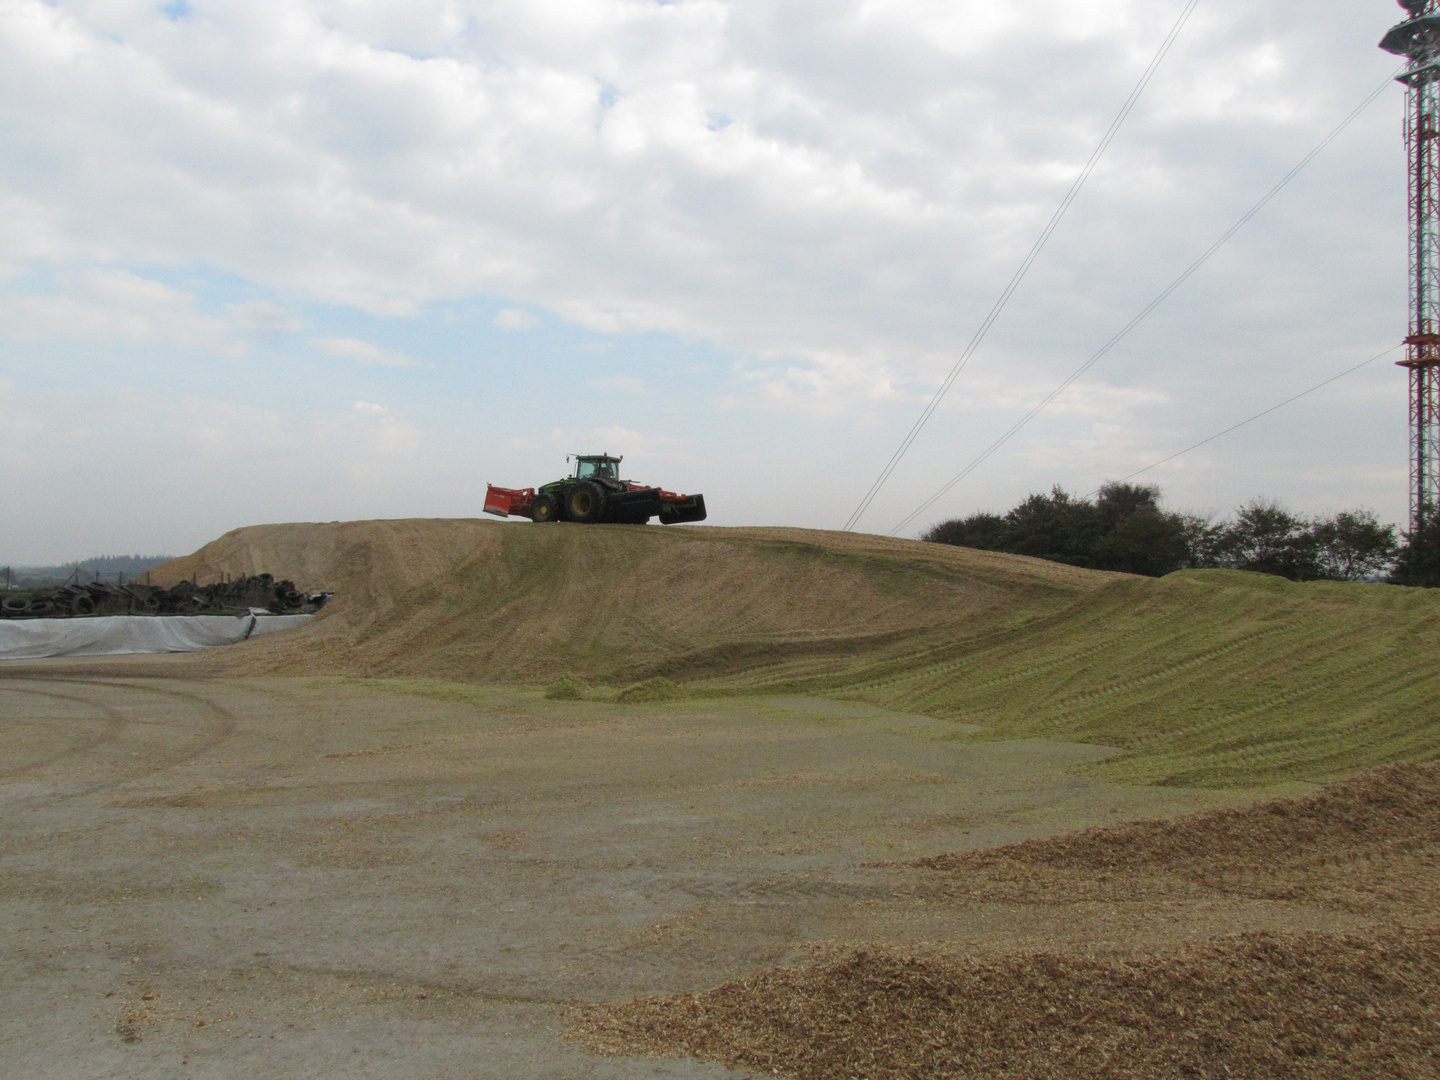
{"x": 1418, "y": 40}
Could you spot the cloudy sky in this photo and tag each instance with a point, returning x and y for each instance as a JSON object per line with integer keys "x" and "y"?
{"x": 270, "y": 260}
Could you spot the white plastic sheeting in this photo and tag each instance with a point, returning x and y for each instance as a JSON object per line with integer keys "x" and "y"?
{"x": 110, "y": 635}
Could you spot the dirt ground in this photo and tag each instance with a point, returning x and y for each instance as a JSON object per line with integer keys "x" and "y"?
{"x": 307, "y": 877}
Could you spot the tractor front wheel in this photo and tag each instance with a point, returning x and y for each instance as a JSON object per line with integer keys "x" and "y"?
{"x": 585, "y": 502}
{"x": 546, "y": 507}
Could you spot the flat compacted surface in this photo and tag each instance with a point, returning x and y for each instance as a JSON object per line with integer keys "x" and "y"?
{"x": 331, "y": 877}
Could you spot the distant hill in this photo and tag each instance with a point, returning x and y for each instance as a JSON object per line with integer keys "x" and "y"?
{"x": 99, "y": 568}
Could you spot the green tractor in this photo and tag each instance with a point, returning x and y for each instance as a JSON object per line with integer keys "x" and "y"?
{"x": 595, "y": 493}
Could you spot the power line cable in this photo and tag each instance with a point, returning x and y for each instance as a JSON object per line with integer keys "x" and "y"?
{"x": 1257, "y": 416}
{"x": 1145, "y": 312}
{"x": 1024, "y": 267}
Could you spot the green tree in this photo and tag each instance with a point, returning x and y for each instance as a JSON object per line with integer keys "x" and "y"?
{"x": 1116, "y": 501}
{"x": 1147, "y": 542}
{"x": 987, "y": 532}
{"x": 1204, "y": 539}
{"x": 1126, "y": 529}
{"x": 1418, "y": 559}
{"x": 1268, "y": 539}
{"x": 1137, "y": 537}
{"x": 1054, "y": 527}
{"x": 1352, "y": 546}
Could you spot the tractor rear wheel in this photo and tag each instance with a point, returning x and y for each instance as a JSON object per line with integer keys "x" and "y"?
{"x": 546, "y": 507}
{"x": 585, "y": 502}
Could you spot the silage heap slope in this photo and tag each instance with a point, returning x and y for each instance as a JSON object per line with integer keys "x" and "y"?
{"x": 1206, "y": 678}
{"x": 465, "y": 599}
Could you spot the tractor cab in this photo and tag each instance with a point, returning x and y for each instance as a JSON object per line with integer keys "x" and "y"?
{"x": 597, "y": 467}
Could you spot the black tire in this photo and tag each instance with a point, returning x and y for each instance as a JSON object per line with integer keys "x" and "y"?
{"x": 585, "y": 502}
{"x": 82, "y": 605}
{"x": 546, "y": 507}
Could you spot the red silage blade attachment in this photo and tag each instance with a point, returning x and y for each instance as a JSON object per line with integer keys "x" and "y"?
{"x": 502, "y": 502}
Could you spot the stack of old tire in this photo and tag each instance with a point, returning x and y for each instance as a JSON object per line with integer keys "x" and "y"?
{"x": 260, "y": 592}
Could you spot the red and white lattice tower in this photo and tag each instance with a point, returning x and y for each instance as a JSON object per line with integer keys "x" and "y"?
{"x": 1418, "y": 40}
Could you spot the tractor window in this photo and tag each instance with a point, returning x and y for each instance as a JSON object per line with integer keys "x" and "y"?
{"x": 603, "y": 469}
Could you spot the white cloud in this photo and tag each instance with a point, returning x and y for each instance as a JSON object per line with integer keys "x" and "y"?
{"x": 829, "y": 384}
{"x": 830, "y": 195}
{"x": 885, "y": 161}
{"x": 30, "y": 232}
{"x": 229, "y": 462}
{"x": 516, "y": 319}
{"x": 991, "y": 392}
{"x": 265, "y": 319}
{"x": 620, "y": 384}
{"x": 613, "y": 439}
{"x": 374, "y": 428}
{"x": 105, "y": 305}
{"x": 364, "y": 352}
{"x": 20, "y": 428}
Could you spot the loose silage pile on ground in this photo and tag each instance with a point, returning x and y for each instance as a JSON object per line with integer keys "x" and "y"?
{"x": 1369, "y": 843}
{"x": 1297, "y": 1006}
{"x": 1302, "y": 1005}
